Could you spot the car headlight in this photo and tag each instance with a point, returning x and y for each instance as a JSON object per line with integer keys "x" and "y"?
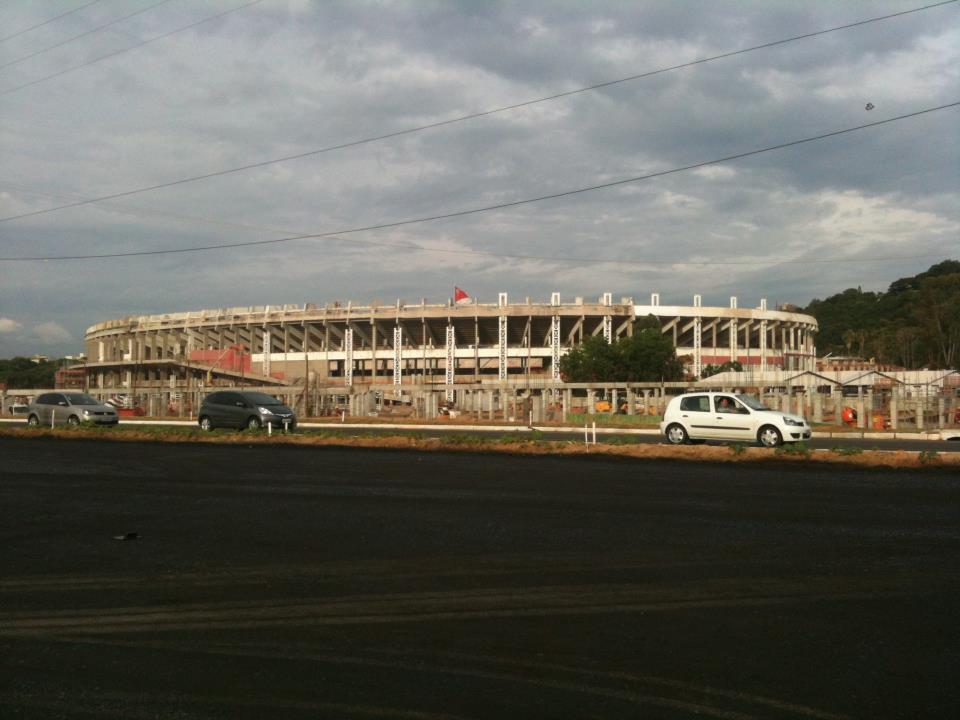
{"x": 86, "y": 413}
{"x": 264, "y": 411}
{"x": 794, "y": 423}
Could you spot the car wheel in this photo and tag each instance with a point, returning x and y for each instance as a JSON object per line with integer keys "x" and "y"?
{"x": 73, "y": 420}
{"x": 205, "y": 423}
{"x": 676, "y": 435}
{"x": 253, "y": 423}
{"x": 33, "y": 421}
{"x": 769, "y": 436}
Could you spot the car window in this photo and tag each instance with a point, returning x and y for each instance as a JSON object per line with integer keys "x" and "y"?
{"x": 46, "y": 399}
{"x": 82, "y": 399}
{"x": 215, "y": 398}
{"x": 695, "y": 403}
{"x": 729, "y": 404}
{"x": 232, "y": 398}
{"x": 259, "y": 398}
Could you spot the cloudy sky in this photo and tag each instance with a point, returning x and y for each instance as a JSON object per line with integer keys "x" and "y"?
{"x": 88, "y": 110}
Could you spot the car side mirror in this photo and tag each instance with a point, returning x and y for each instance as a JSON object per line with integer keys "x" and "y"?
{"x": 241, "y": 403}
{"x": 63, "y": 403}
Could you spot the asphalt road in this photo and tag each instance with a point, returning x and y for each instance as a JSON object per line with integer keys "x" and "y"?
{"x": 294, "y": 582}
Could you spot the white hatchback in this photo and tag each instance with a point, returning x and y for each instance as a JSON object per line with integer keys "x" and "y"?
{"x": 725, "y": 416}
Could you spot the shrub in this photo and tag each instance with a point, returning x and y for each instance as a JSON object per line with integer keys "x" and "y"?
{"x": 737, "y": 448}
{"x": 929, "y": 457}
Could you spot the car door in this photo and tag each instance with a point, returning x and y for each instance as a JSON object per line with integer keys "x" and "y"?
{"x": 213, "y": 406}
{"x": 234, "y": 410}
{"x": 695, "y": 414}
{"x": 731, "y": 419}
{"x": 42, "y": 406}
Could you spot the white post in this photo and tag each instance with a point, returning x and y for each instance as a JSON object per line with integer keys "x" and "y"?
{"x": 269, "y": 429}
{"x": 594, "y": 432}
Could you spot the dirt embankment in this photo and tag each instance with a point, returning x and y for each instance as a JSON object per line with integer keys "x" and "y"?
{"x": 532, "y": 444}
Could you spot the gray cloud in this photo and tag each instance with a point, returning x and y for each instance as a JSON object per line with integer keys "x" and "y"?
{"x": 286, "y": 77}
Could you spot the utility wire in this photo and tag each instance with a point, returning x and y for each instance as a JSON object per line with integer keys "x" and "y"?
{"x": 487, "y": 208}
{"x": 83, "y": 34}
{"x": 463, "y": 118}
{"x": 132, "y": 47}
{"x": 418, "y": 247}
{"x": 47, "y": 22}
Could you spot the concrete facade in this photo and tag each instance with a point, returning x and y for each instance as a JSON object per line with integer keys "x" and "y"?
{"x": 447, "y": 344}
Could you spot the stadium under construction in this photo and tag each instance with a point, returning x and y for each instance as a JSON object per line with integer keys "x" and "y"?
{"x": 343, "y": 344}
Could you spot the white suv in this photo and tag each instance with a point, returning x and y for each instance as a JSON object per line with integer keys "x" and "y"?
{"x": 725, "y": 416}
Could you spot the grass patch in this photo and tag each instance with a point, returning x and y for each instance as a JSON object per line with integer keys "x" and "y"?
{"x": 846, "y": 450}
{"x": 605, "y": 420}
{"x": 794, "y": 450}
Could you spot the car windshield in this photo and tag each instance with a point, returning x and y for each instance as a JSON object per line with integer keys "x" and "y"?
{"x": 261, "y": 399}
{"x": 751, "y": 402}
{"x": 82, "y": 400}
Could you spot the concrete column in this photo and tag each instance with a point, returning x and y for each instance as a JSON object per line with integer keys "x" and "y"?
{"x": 451, "y": 362}
{"x": 941, "y": 411}
{"x": 591, "y": 402}
{"x": 502, "y": 362}
{"x": 860, "y": 414}
{"x": 614, "y": 401}
{"x": 837, "y": 396}
{"x": 868, "y": 402}
{"x": 763, "y": 346}
{"x": 567, "y": 397}
{"x": 894, "y": 407}
{"x": 919, "y": 411}
{"x": 348, "y": 361}
{"x": 631, "y": 402}
{"x": 817, "y": 406}
{"x": 373, "y": 352}
{"x": 785, "y": 400}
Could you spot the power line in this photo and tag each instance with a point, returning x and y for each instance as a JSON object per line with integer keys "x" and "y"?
{"x": 417, "y": 247}
{"x": 47, "y": 22}
{"x": 488, "y": 208}
{"x": 83, "y": 34}
{"x": 463, "y": 118}
{"x": 128, "y": 49}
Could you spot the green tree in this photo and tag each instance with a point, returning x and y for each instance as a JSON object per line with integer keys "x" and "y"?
{"x": 646, "y": 355}
{"x": 730, "y": 365}
{"x": 21, "y": 372}
{"x": 937, "y": 314}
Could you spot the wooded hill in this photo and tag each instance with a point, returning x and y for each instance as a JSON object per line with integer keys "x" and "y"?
{"x": 915, "y": 323}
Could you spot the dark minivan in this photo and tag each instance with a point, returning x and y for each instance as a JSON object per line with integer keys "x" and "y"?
{"x": 244, "y": 409}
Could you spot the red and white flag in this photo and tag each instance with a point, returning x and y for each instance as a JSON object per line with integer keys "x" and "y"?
{"x": 459, "y": 296}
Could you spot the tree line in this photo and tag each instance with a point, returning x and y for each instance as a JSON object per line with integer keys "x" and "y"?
{"x": 914, "y": 324}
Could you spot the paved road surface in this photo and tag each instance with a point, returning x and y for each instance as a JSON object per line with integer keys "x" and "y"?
{"x": 302, "y": 583}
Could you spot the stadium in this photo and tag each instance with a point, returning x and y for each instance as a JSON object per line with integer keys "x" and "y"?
{"x": 464, "y": 341}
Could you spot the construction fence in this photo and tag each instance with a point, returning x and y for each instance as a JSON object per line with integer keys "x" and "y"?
{"x": 876, "y": 407}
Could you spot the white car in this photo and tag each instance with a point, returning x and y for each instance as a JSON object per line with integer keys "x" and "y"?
{"x": 725, "y": 416}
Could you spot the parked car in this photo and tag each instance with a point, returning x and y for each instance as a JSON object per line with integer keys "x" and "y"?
{"x": 67, "y": 408}
{"x": 244, "y": 409}
{"x": 725, "y": 416}
{"x": 18, "y": 408}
